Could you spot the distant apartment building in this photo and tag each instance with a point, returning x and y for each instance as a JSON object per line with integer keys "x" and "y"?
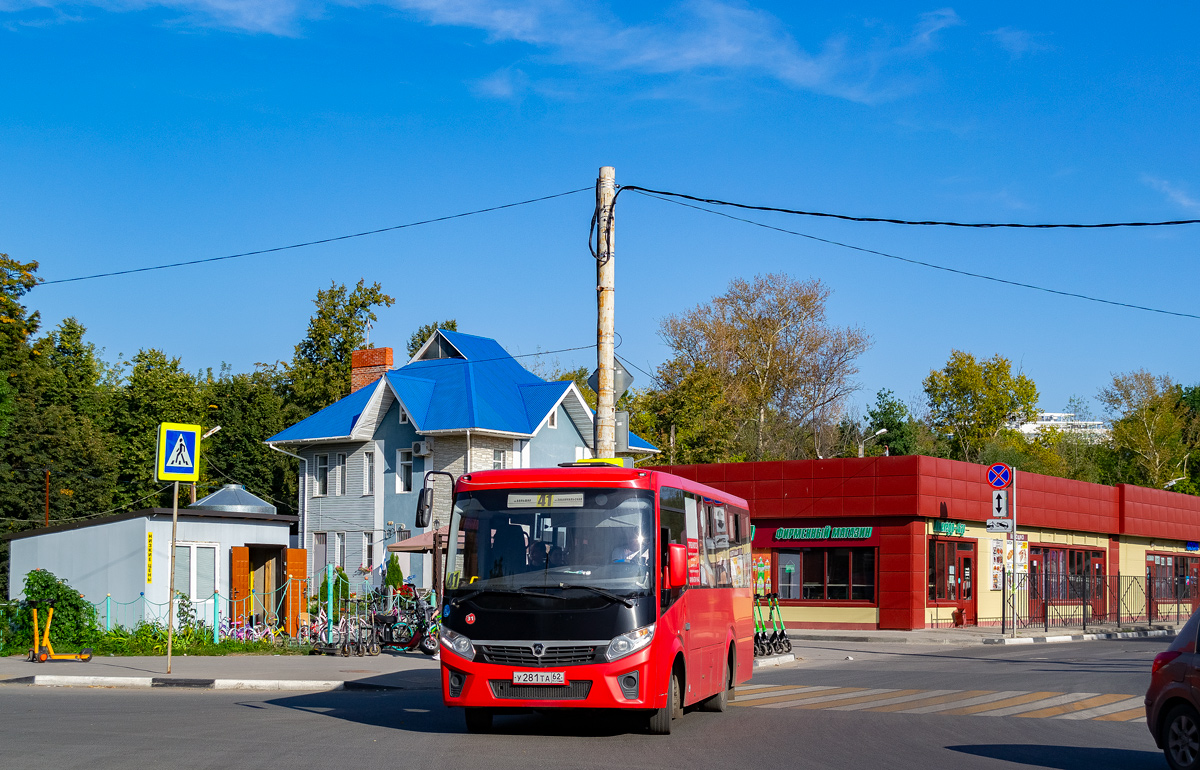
{"x": 1066, "y": 422}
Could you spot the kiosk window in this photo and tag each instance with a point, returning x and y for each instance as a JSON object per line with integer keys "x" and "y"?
{"x": 826, "y": 574}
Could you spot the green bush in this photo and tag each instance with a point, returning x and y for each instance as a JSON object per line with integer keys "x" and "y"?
{"x": 394, "y": 577}
{"x": 74, "y": 623}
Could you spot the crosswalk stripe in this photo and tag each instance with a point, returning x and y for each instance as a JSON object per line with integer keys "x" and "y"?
{"x": 1112, "y": 708}
{"x": 987, "y": 697}
{"x": 1027, "y": 697}
{"x": 929, "y": 699}
{"x": 780, "y": 691}
{"x": 1066, "y": 708}
{"x": 1125, "y": 716}
{"x": 771, "y": 697}
{"x": 741, "y": 687}
{"x": 900, "y": 697}
{"x": 1021, "y": 708}
{"x": 790, "y": 699}
{"x": 819, "y": 700}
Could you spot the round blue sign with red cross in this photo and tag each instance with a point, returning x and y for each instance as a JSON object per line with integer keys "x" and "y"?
{"x": 999, "y": 475}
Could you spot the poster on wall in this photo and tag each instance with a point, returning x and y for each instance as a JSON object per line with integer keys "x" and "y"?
{"x": 1001, "y": 561}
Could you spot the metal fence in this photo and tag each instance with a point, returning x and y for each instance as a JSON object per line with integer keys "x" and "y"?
{"x": 1045, "y": 601}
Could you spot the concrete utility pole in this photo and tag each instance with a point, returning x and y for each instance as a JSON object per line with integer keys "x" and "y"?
{"x": 606, "y": 408}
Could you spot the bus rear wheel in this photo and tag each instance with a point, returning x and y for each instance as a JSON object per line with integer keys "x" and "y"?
{"x": 478, "y": 720}
{"x": 720, "y": 701}
{"x": 660, "y": 719}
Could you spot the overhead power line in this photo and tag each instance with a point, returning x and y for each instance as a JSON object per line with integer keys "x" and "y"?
{"x": 930, "y": 265}
{"x": 926, "y": 223}
{"x": 310, "y": 243}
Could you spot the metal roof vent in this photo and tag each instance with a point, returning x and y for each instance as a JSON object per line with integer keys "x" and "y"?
{"x": 235, "y": 499}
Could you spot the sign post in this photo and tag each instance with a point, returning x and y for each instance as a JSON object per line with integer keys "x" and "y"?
{"x": 1000, "y": 478}
{"x": 178, "y": 460}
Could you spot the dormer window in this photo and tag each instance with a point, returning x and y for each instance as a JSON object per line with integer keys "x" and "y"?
{"x": 552, "y": 420}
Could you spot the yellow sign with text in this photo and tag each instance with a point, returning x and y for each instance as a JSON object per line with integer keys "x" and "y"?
{"x": 149, "y": 556}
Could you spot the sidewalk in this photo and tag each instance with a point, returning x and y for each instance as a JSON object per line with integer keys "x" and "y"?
{"x": 408, "y": 671}
{"x": 973, "y": 635}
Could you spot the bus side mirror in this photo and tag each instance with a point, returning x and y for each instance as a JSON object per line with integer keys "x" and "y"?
{"x": 424, "y": 507}
{"x": 677, "y": 565}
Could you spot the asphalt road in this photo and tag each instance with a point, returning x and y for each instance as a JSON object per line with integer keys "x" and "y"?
{"x": 99, "y": 728}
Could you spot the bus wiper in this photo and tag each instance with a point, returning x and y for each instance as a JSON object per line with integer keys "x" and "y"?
{"x": 601, "y": 591}
{"x": 456, "y": 601}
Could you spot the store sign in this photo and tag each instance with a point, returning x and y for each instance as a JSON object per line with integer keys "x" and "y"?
{"x": 953, "y": 528}
{"x": 823, "y": 533}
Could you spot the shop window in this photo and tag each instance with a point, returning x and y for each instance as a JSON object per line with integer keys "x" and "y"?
{"x": 826, "y": 574}
{"x": 950, "y": 570}
{"x": 1059, "y": 574}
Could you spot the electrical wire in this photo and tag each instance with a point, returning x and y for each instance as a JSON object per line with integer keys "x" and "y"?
{"x": 309, "y": 243}
{"x": 929, "y": 265}
{"x": 101, "y": 513}
{"x": 933, "y": 223}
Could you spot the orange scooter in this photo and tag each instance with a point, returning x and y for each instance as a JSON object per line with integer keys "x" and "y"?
{"x": 45, "y": 651}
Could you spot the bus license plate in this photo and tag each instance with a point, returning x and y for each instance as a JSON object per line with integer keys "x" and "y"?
{"x": 539, "y": 677}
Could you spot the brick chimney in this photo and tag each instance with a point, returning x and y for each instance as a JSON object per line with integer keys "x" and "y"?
{"x": 368, "y": 365}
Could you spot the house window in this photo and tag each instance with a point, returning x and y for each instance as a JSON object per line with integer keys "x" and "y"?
{"x": 320, "y": 554}
{"x": 196, "y": 570}
{"x": 322, "y": 476}
{"x": 403, "y": 416}
{"x": 341, "y": 474}
{"x": 552, "y": 420}
{"x": 368, "y": 473}
{"x": 369, "y": 550}
{"x": 403, "y": 534}
{"x": 498, "y": 456}
{"x": 404, "y": 470}
{"x": 340, "y": 552}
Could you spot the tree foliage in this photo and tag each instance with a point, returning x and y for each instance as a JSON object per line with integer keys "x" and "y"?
{"x": 1151, "y": 421}
{"x": 783, "y": 371}
{"x": 972, "y": 400}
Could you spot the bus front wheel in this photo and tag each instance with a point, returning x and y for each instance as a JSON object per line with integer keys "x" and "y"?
{"x": 660, "y": 719}
{"x": 479, "y": 720}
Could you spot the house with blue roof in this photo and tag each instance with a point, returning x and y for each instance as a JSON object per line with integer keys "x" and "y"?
{"x": 461, "y": 404}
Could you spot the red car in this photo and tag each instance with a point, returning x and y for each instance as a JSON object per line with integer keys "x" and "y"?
{"x": 1173, "y": 700}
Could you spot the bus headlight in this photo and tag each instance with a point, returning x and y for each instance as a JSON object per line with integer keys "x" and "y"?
{"x": 458, "y": 644}
{"x": 627, "y": 644}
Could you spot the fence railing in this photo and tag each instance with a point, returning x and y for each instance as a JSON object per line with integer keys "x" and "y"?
{"x": 1045, "y": 601}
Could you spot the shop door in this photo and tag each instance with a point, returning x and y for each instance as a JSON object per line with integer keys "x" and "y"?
{"x": 964, "y": 575}
{"x": 1037, "y": 585}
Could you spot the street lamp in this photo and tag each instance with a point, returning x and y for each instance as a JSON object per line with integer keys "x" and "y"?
{"x": 862, "y": 445}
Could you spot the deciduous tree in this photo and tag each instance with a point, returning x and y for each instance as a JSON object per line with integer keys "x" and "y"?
{"x": 972, "y": 400}
{"x": 1149, "y": 419}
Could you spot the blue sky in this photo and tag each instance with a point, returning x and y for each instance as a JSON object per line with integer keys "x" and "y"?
{"x": 135, "y": 132}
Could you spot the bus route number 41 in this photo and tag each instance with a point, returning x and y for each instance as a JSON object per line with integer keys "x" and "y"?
{"x": 539, "y": 677}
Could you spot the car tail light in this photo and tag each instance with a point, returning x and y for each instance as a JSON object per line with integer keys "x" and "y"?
{"x": 1162, "y": 659}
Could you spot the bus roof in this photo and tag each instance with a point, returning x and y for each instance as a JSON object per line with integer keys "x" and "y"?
{"x": 591, "y": 476}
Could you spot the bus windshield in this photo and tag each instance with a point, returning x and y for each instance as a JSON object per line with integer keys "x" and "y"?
{"x": 538, "y": 539}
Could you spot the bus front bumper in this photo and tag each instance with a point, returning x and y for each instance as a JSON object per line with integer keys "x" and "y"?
{"x": 625, "y": 683}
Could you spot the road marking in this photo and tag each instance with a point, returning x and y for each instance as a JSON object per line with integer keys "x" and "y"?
{"x": 904, "y": 696}
{"x": 1021, "y": 708}
{"x": 1027, "y": 697}
{"x": 1107, "y": 707}
{"x": 952, "y": 697}
{"x": 991, "y": 697}
{"x": 1067, "y": 708}
{"x": 854, "y": 692}
{"x": 1125, "y": 716}
{"x": 1112, "y": 708}
{"x": 774, "y": 691}
{"x": 758, "y": 699}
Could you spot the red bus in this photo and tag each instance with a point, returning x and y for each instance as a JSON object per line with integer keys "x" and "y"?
{"x": 594, "y": 586}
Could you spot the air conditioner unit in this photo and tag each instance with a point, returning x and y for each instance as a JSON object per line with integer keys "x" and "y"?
{"x": 421, "y": 448}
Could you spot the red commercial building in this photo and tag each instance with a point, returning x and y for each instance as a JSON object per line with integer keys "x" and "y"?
{"x": 900, "y": 543}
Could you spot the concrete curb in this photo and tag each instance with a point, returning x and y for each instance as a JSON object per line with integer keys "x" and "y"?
{"x": 147, "y": 682}
{"x": 1078, "y": 637}
{"x": 774, "y": 660}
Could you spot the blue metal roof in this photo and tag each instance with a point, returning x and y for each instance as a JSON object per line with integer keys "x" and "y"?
{"x": 487, "y": 389}
{"x": 334, "y": 421}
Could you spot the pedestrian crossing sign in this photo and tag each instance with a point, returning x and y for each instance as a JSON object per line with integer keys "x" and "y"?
{"x": 178, "y": 452}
